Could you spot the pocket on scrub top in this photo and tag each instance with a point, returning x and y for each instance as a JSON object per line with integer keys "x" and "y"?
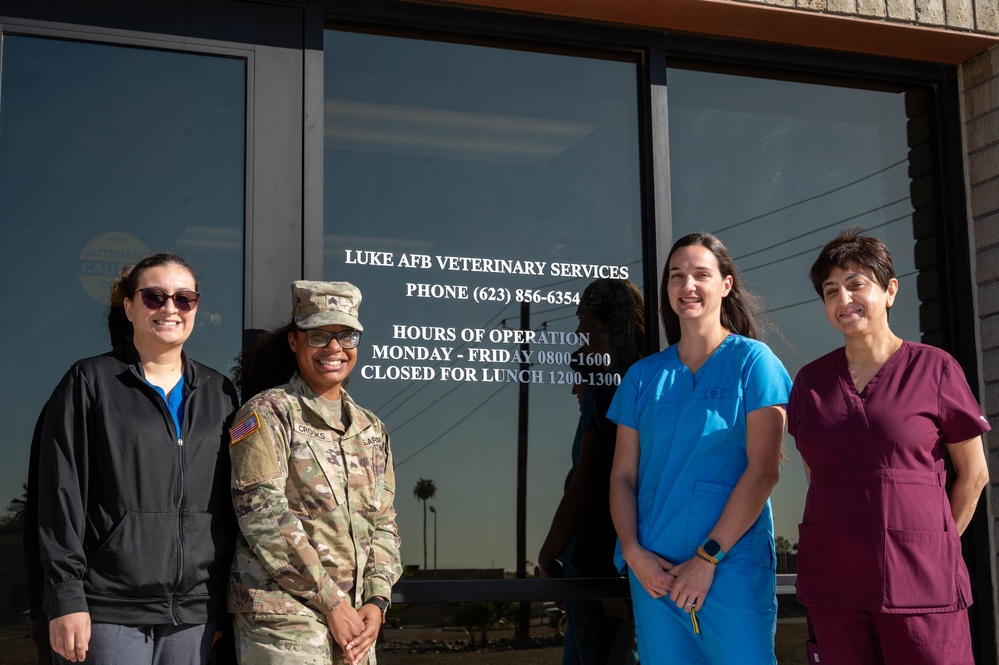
{"x": 920, "y": 569}
{"x": 707, "y": 501}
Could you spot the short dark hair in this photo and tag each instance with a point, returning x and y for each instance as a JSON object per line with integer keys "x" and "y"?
{"x": 737, "y": 307}
{"x": 851, "y": 248}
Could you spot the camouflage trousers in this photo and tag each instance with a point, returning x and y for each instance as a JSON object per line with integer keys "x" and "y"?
{"x": 287, "y": 639}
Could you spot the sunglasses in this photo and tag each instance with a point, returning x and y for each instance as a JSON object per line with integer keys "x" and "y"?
{"x": 320, "y": 339}
{"x": 155, "y": 298}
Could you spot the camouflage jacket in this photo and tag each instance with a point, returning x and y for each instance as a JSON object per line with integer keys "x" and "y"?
{"x": 314, "y": 500}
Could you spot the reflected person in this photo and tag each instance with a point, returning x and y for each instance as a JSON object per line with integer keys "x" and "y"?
{"x": 581, "y": 539}
{"x": 135, "y": 527}
{"x": 698, "y": 452}
{"x": 313, "y": 486}
{"x": 879, "y": 552}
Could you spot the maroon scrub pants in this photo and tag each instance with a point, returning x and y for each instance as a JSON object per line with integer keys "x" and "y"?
{"x": 857, "y": 637}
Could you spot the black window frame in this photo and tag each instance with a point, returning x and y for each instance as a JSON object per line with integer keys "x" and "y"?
{"x": 655, "y": 49}
{"x": 283, "y": 44}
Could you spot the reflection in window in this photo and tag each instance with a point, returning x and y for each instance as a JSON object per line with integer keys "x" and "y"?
{"x": 472, "y": 193}
{"x": 776, "y": 169}
{"x": 479, "y": 632}
{"x": 108, "y": 153}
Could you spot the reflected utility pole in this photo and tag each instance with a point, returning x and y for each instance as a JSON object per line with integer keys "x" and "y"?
{"x": 434, "y": 511}
{"x": 524, "y": 615}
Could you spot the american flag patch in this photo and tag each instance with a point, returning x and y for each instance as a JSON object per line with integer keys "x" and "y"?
{"x": 245, "y": 428}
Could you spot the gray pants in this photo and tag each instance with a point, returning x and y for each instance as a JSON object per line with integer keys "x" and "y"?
{"x": 161, "y": 644}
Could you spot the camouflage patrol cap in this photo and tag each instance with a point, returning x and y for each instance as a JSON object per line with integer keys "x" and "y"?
{"x": 318, "y": 304}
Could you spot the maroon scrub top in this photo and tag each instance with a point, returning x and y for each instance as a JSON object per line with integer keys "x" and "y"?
{"x": 877, "y": 532}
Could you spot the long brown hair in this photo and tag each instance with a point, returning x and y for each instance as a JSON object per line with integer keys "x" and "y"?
{"x": 737, "y": 307}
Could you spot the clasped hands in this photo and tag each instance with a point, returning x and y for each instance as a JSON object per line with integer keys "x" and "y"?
{"x": 686, "y": 583}
{"x": 354, "y": 630}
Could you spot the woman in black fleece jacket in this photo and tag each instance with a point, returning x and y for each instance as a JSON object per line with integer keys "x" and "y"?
{"x": 135, "y": 522}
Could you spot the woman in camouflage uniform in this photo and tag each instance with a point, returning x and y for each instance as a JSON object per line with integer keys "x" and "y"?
{"x": 313, "y": 487}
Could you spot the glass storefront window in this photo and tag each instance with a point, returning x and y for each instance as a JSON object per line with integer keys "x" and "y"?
{"x": 436, "y": 208}
{"x": 473, "y": 193}
{"x": 776, "y": 169}
{"x": 109, "y": 153}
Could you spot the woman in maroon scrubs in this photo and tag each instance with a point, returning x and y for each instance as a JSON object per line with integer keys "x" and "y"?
{"x": 879, "y": 551}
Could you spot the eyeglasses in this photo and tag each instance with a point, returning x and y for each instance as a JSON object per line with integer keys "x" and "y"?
{"x": 320, "y": 339}
{"x": 155, "y": 298}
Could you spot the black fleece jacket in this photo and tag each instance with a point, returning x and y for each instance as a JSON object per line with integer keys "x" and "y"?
{"x": 135, "y": 522}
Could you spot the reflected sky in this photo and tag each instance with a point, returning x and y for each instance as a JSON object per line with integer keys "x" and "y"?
{"x": 451, "y": 150}
{"x": 436, "y": 149}
{"x": 776, "y": 169}
{"x": 108, "y": 153}
{"x": 432, "y": 150}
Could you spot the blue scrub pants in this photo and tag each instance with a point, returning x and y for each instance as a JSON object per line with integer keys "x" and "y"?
{"x": 737, "y": 622}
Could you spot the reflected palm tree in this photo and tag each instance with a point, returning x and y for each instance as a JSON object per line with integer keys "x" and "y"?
{"x": 424, "y": 491}
{"x": 782, "y": 545}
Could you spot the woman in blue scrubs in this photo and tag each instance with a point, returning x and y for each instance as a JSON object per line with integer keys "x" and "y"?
{"x": 698, "y": 452}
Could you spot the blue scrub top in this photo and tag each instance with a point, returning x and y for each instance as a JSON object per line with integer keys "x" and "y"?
{"x": 692, "y": 433}
{"x": 174, "y": 403}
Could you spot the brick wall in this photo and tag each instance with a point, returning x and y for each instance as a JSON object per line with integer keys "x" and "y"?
{"x": 980, "y": 100}
{"x": 980, "y": 16}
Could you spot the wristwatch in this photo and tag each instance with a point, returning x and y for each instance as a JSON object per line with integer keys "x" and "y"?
{"x": 381, "y": 603}
{"x": 711, "y": 552}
